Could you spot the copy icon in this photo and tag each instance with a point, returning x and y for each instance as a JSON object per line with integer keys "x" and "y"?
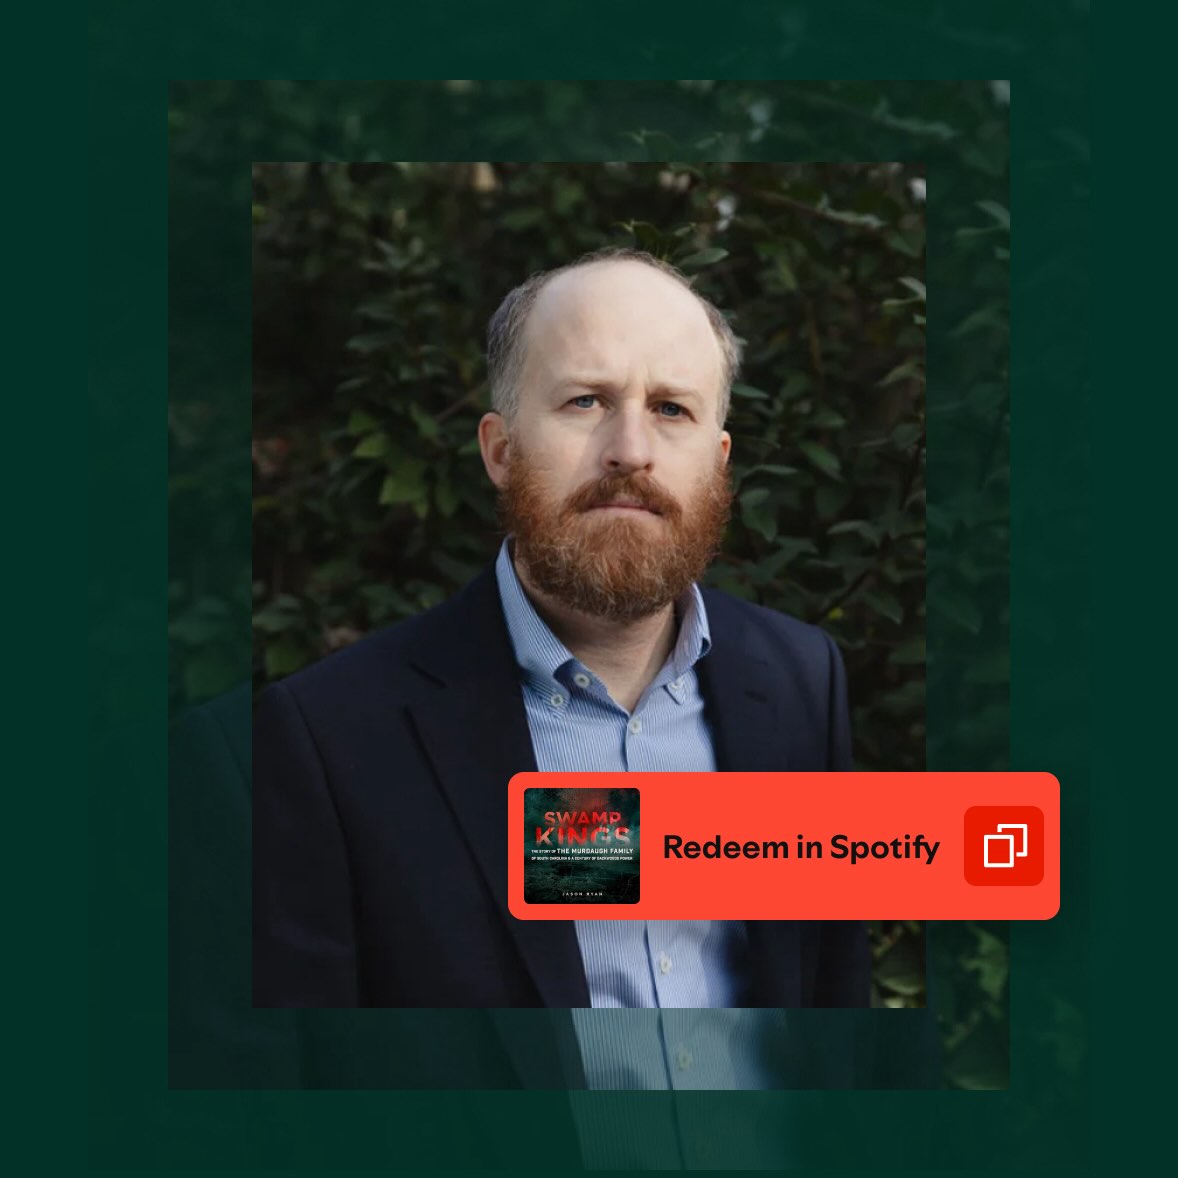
{"x": 1004, "y": 845}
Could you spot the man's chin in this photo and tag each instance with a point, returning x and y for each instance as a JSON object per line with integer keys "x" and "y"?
{"x": 619, "y": 522}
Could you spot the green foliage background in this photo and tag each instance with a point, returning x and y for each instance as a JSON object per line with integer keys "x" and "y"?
{"x": 373, "y": 286}
{"x": 367, "y": 339}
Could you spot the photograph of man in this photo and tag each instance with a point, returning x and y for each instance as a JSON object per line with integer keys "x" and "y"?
{"x": 380, "y": 772}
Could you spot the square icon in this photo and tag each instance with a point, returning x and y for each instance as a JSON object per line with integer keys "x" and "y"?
{"x": 1004, "y": 846}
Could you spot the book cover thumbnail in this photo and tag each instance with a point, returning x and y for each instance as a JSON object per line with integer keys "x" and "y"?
{"x": 581, "y": 846}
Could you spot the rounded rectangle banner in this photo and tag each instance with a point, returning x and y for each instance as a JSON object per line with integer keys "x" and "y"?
{"x": 783, "y": 846}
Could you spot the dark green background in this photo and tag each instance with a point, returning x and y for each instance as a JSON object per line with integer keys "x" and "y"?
{"x": 135, "y": 1121}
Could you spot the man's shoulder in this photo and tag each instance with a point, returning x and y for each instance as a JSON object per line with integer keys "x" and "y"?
{"x": 392, "y": 658}
{"x": 389, "y": 646}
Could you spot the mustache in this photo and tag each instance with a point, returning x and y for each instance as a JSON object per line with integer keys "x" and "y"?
{"x": 640, "y": 488}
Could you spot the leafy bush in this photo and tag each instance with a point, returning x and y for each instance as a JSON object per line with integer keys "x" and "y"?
{"x": 373, "y": 286}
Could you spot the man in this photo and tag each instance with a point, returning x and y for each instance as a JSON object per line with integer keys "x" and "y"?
{"x": 380, "y": 867}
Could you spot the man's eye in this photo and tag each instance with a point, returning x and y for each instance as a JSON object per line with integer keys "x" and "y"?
{"x": 672, "y": 409}
{"x": 584, "y": 401}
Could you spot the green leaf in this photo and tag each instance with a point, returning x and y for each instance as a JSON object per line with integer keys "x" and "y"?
{"x": 369, "y": 343}
{"x": 703, "y": 258}
{"x": 360, "y": 422}
{"x": 284, "y": 656}
{"x": 982, "y": 317}
{"x": 446, "y": 497}
{"x": 749, "y": 393}
{"x": 775, "y": 253}
{"x": 906, "y": 369}
{"x": 754, "y": 497}
{"x": 990, "y": 961}
{"x": 856, "y": 527}
{"x": 866, "y": 220}
{"x": 794, "y": 386}
{"x": 999, "y": 212}
{"x": 906, "y": 434}
{"x": 916, "y": 286}
{"x": 759, "y": 518}
{"x": 426, "y": 426}
{"x": 901, "y": 968}
{"x": 646, "y": 235}
{"x": 885, "y": 604}
{"x": 826, "y": 418}
{"x": 822, "y": 458}
{"x": 792, "y": 546}
{"x": 785, "y": 272}
{"x": 374, "y": 446}
{"x": 958, "y": 610}
{"x": 769, "y": 468}
{"x": 405, "y": 484}
{"x": 274, "y": 618}
{"x": 910, "y": 653}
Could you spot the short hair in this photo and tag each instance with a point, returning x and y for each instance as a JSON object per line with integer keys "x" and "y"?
{"x": 505, "y": 332}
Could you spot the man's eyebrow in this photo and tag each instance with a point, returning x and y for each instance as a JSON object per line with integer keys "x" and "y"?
{"x": 663, "y": 389}
{"x": 585, "y": 382}
{"x": 674, "y": 390}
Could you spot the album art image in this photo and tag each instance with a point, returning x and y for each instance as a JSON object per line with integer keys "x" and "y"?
{"x": 581, "y": 846}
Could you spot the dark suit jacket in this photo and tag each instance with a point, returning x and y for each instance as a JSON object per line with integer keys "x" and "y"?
{"x": 380, "y": 773}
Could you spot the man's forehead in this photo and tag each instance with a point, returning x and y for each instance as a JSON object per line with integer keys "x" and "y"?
{"x": 619, "y": 312}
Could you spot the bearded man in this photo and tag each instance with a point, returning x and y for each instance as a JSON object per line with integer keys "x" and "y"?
{"x": 380, "y": 855}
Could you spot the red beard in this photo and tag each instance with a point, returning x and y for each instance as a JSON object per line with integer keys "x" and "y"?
{"x": 611, "y": 566}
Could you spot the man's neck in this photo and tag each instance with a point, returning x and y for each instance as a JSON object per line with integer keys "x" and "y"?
{"x": 625, "y": 656}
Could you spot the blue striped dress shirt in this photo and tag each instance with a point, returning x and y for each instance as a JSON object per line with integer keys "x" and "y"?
{"x": 676, "y": 980}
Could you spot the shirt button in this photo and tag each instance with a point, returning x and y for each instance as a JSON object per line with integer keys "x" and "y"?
{"x": 665, "y": 963}
{"x": 677, "y": 684}
{"x": 636, "y": 726}
{"x": 685, "y": 1059}
{"x": 581, "y": 680}
{"x": 556, "y": 700}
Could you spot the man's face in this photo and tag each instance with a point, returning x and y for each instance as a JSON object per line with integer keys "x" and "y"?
{"x": 613, "y": 474}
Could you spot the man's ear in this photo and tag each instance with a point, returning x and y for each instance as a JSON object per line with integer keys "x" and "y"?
{"x": 494, "y": 445}
{"x": 725, "y": 444}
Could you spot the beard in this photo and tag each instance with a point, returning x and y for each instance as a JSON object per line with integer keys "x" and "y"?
{"x": 612, "y": 566}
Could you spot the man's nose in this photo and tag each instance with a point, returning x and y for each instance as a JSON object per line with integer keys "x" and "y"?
{"x": 628, "y": 444}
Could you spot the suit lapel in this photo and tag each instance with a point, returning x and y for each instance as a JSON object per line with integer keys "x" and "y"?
{"x": 741, "y": 697}
{"x": 475, "y": 732}
{"x": 748, "y": 717}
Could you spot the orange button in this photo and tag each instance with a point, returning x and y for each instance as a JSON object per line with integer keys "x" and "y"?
{"x": 783, "y": 846}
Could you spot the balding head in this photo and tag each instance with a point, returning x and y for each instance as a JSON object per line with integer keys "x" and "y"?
{"x": 612, "y": 309}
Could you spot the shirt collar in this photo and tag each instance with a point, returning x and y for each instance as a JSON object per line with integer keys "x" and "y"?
{"x": 541, "y": 654}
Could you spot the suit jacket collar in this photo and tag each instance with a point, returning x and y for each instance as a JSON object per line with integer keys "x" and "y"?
{"x": 740, "y": 692}
{"x": 475, "y": 733}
